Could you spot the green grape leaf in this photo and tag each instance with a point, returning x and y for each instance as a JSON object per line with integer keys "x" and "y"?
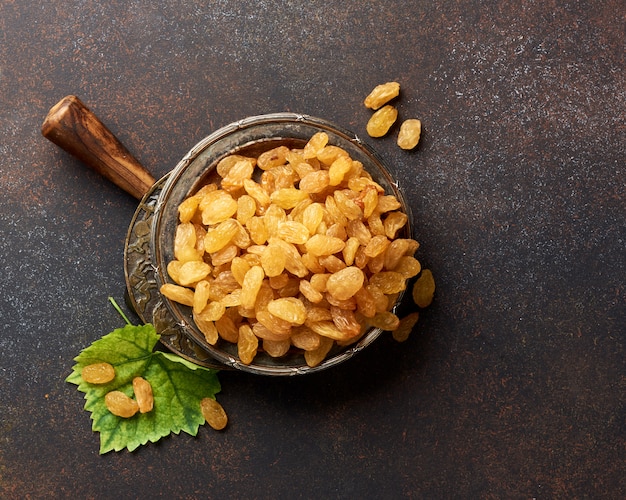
{"x": 178, "y": 387}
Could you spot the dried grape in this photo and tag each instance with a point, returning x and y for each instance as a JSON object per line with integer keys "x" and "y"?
{"x": 382, "y": 94}
{"x": 98, "y": 373}
{"x": 315, "y": 356}
{"x": 247, "y": 344}
{"x": 424, "y": 289}
{"x": 316, "y": 144}
{"x": 385, "y": 320}
{"x": 251, "y": 285}
{"x": 273, "y": 260}
{"x": 120, "y": 405}
{"x": 405, "y": 327}
{"x": 381, "y": 121}
{"x": 213, "y": 413}
{"x": 345, "y": 283}
{"x": 273, "y": 158}
{"x": 388, "y": 282}
{"x": 409, "y": 134}
{"x": 288, "y": 309}
{"x": 276, "y": 348}
{"x": 143, "y": 394}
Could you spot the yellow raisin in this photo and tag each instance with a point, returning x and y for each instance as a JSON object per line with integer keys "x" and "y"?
{"x": 226, "y": 163}
{"x": 381, "y": 121}
{"x": 207, "y": 328}
{"x": 394, "y": 222}
{"x": 278, "y": 328}
{"x": 312, "y": 216}
{"x": 293, "y": 232}
{"x": 388, "y": 282}
{"x": 315, "y": 182}
{"x": 288, "y": 309}
{"x": 273, "y": 260}
{"x": 251, "y": 285}
{"x": 304, "y": 338}
{"x": 257, "y": 192}
{"x": 213, "y": 413}
{"x": 395, "y": 251}
{"x": 329, "y": 330}
{"x": 220, "y": 236}
{"x": 213, "y": 311}
{"x": 320, "y": 244}
{"x": 201, "y": 295}
{"x": 310, "y": 293}
{"x": 247, "y": 344}
{"x": 273, "y": 158}
{"x": 143, "y": 393}
{"x": 258, "y": 230}
{"x": 409, "y": 134}
{"x": 315, "y": 356}
{"x": 345, "y": 283}
{"x": 276, "y": 348}
{"x": 315, "y": 145}
{"x": 120, "y": 405}
{"x": 185, "y": 243}
{"x": 346, "y": 321}
{"x": 424, "y": 289}
{"x": 187, "y": 209}
{"x": 405, "y": 327}
{"x": 98, "y": 373}
{"x": 227, "y": 329}
{"x": 192, "y": 272}
{"x": 408, "y": 266}
{"x": 366, "y": 304}
{"x": 338, "y": 169}
{"x": 376, "y": 246}
{"x": 385, "y": 320}
{"x": 246, "y": 208}
{"x": 330, "y": 153}
{"x": 177, "y": 293}
{"x": 216, "y": 207}
{"x": 287, "y": 198}
{"x": 382, "y": 94}
{"x": 240, "y": 171}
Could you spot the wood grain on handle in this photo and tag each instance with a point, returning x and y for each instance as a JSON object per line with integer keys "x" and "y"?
{"x": 75, "y": 129}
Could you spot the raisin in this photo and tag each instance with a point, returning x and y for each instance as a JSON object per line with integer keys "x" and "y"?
{"x": 143, "y": 393}
{"x": 345, "y": 283}
{"x": 120, "y": 405}
{"x": 381, "y": 121}
{"x": 382, "y": 94}
{"x": 409, "y": 134}
{"x": 405, "y": 327}
{"x": 213, "y": 413}
{"x": 98, "y": 373}
{"x": 424, "y": 289}
{"x": 247, "y": 344}
{"x": 276, "y": 348}
{"x": 385, "y": 321}
{"x": 315, "y": 356}
{"x": 288, "y": 309}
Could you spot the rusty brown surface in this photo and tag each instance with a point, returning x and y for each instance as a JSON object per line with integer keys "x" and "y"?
{"x": 513, "y": 383}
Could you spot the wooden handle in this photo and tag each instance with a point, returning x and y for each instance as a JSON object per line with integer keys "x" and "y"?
{"x": 75, "y": 129}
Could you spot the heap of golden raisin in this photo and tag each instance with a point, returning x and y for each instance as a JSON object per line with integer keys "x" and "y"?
{"x": 297, "y": 248}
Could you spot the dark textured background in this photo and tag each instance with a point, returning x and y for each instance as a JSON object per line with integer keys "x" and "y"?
{"x": 512, "y": 385}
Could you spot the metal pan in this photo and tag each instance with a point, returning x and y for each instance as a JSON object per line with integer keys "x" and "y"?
{"x": 149, "y": 244}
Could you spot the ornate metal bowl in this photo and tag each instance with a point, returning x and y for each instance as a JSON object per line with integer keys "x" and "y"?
{"x": 150, "y": 239}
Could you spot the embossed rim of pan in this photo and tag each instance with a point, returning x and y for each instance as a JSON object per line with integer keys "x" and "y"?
{"x": 251, "y": 136}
